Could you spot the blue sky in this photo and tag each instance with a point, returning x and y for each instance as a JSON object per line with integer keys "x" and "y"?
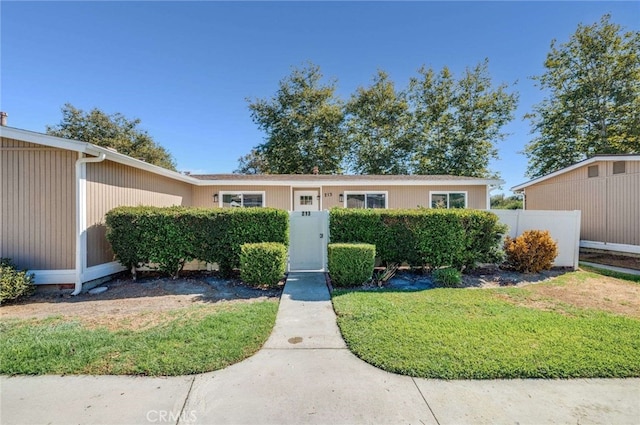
{"x": 186, "y": 69}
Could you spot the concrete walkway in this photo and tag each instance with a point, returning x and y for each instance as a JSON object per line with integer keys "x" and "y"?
{"x": 305, "y": 375}
{"x": 611, "y": 268}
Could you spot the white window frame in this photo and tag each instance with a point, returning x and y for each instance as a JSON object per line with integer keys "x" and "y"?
{"x": 367, "y": 192}
{"x": 448, "y": 192}
{"x": 242, "y": 193}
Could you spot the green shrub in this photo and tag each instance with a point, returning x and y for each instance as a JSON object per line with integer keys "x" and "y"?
{"x": 262, "y": 263}
{"x": 531, "y": 252}
{"x": 14, "y": 284}
{"x": 174, "y": 235}
{"x": 221, "y": 232}
{"x": 142, "y": 235}
{"x": 447, "y": 277}
{"x": 351, "y": 264}
{"x": 429, "y": 238}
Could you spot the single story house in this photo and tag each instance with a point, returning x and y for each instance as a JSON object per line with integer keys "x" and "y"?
{"x": 55, "y": 192}
{"x": 606, "y": 188}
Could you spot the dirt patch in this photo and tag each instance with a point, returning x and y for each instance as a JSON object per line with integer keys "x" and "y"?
{"x": 136, "y": 304}
{"x": 626, "y": 261}
{"x": 601, "y": 293}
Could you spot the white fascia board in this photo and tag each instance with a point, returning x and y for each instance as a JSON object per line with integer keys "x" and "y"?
{"x": 50, "y": 277}
{"x": 522, "y": 186}
{"x": 136, "y": 163}
{"x": 46, "y": 140}
{"x": 312, "y": 183}
{"x": 90, "y": 149}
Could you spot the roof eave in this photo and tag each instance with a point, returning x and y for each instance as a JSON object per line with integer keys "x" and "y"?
{"x": 91, "y": 149}
{"x": 364, "y": 182}
{"x": 597, "y": 158}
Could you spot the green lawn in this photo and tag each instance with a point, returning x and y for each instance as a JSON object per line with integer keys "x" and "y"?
{"x": 196, "y": 339}
{"x": 490, "y": 333}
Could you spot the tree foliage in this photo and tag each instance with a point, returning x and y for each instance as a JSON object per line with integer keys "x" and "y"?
{"x": 500, "y": 202}
{"x": 112, "y": 131}
{"x": 376, "y": 128}
{"x": 438, "y": 125}
{"x": 303, "y": 127}
{"x": 457, "y": 123}
{"x": 593, "y": 105}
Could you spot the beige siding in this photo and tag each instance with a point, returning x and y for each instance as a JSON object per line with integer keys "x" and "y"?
{"x": 275, "y": 196}
{"x": 37, "y": 210}
{"x": 407, "y": 196}
{"x": 110, "y": 185}
{"x": 610, "y": 204}
{"x": 399, "y": 196}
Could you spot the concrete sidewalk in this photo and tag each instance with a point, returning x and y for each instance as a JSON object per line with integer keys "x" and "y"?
{"x": 305, "y": 374}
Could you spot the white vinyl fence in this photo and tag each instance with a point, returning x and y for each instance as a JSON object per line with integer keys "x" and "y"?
{"x": 564, "y": 227}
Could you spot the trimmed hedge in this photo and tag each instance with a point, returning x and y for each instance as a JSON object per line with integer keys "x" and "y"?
{"x": 263, "y": 263}
{"x": 172, "y": 236}
{"x": 351, "y": 264}
{"x": 430, "y": 238}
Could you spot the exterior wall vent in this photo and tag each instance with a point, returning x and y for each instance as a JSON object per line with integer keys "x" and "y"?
{"x": 619, "y": 167}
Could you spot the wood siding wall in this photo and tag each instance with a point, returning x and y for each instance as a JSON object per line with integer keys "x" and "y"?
{"x": 610, "y": 203}
{"x": 399, "y": 196}
{"x": 407, "y": 196}
{"x": 37, "y": 210}
{"x": 275, "y": 196}
{"x": 110, "y": 185}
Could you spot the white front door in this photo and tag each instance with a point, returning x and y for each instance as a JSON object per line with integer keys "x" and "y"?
{"x": 306, "y": 200}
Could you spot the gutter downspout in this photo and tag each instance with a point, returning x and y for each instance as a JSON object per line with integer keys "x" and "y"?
{"x": 81, "y": 216}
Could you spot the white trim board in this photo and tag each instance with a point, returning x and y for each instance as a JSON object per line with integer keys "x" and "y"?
{"x": 617, "y": 247}
{"x": 52, "y": 277}
{"x": 101, "y": 270}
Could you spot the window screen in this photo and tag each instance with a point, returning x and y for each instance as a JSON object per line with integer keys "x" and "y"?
{"x": 366, "y": 200}
{"x": 449, "y": 200}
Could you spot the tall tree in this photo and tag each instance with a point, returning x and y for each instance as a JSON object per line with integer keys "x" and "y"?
{"x": 593, "y": 106}
{"x": 377, "y": 118}
{"x": 112, "y": 131}
{"x": 303, "y": 126}
{"x": 457, "y": 123}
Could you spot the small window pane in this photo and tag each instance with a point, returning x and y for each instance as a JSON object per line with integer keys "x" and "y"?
{"x": 592, "y": 171}
{"x": 252, "y": 200}
{"x": 306, "y": 200}
{"x": 355, "y": 201}
{"x": 619, "y": 167}
{"x": 456, "y": 200}
{"x": 375, "y": 200}
{"x": 232, "y": 200}
{"x": 439, "y": 200}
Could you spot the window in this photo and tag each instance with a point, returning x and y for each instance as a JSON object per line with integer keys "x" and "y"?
{"x": 619, "y": 167}
{"x": 242, "y": 199}
{"x": 306, "y": 200}
{"x": 592, "y": 171}
{"x": 448, "y": 199}
{"x": 366, "y": 200}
